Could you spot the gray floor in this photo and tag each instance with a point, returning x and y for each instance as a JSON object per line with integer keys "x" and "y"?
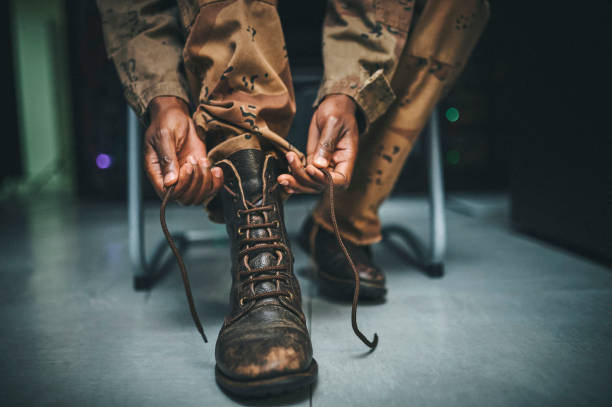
{"x": 515, "y": 322}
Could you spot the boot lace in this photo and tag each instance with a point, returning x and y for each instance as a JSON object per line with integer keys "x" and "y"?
{"x": 255, "y": 274}
{"x": 252, "y": 245}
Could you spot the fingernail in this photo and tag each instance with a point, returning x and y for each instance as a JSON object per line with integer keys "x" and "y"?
{"x": 217, "y": 172}
{"x": 291, "y": 191}
{"x": 204, "y": 162}
{"x": 284, "y": 182}
{"x": 310, "y": 170}
{"x": 290, "y": 158}
{"x": 321, "y": 161}
{"x": 192, "y": 160}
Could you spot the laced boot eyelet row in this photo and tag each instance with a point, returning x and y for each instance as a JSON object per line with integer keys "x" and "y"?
{"x": 268, "y": 242}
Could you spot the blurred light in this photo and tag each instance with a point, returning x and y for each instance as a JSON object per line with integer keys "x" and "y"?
{"x": 452, "y": 114}
{"x": 452, "y": 157}
{"x": 103, "y": 161}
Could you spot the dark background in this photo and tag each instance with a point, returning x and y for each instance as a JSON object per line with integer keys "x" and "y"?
{"x": 533, "y": 102}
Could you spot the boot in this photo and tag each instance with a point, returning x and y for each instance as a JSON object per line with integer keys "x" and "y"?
{"x": 333, "y": 273}
{"x": 264, "y": 346}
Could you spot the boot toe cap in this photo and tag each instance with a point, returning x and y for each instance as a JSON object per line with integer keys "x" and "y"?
{"x": 274, "y": 348}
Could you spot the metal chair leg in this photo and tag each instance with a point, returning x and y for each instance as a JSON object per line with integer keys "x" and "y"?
{"x": 134, "y": 197}
{"x": 437, "y": 217}
{"x": 428, "y": 258}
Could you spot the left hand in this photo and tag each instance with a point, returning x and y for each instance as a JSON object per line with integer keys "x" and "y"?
{"x": 333, "y": 138}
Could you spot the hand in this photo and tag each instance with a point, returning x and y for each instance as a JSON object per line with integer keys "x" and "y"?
{"x": 175, "y": 155}
{"x": 333, "y": 137}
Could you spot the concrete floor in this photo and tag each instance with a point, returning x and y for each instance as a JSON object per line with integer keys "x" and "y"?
{"x": 515, "y": 322}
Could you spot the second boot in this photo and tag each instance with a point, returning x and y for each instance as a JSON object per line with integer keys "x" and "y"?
{"x": 333, "y": 273}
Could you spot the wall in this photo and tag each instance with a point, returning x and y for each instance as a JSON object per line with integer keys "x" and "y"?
{"x": 42, "y": 92}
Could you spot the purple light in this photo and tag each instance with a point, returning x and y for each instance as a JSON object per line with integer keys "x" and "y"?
{"x": 103, "y": 161}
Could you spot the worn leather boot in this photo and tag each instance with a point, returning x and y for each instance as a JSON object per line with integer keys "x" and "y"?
{"x": 332, "y": 272}
{"x": 264, "y": 346}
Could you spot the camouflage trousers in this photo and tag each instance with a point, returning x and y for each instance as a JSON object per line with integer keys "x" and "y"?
{"x": 238, "y": 72}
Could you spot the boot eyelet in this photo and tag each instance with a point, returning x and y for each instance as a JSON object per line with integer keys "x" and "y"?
{"x": 242, "y": 302}
{"x": 239, "y": 213}
{"x": 290, "y": 296}
{"x": 276, "y": 224}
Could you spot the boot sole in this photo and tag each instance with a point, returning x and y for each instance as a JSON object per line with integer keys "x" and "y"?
{"x": 343, "y": 289}
{"x": 268, "y": 387}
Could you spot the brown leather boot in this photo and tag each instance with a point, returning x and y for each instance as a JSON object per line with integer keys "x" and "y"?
{"x": 264, "y": 346}
{"x": 332, "y": 272}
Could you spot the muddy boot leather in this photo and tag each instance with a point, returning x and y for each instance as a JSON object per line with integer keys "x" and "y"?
{"x": 264, "y": 346}
{"x": 333, "y": 273}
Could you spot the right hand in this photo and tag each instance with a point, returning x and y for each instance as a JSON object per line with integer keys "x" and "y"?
{"x": 175, "y": 155}
{"x": 333, "y": 138}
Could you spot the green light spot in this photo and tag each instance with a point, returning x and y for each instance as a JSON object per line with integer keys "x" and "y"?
{"x": 452, "y": 157}
{"x": 452, "y": 114}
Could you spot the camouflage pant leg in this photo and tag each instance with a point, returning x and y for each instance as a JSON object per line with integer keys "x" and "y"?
{"x": 436, "y": 51}
{"x": 238, "y": 71}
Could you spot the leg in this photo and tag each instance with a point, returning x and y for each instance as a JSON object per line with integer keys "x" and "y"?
{"x": 237, "y": 67}
{"x": 435, "y": 53}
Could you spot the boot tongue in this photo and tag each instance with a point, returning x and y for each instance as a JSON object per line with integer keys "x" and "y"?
{"x": 249, "y": 164}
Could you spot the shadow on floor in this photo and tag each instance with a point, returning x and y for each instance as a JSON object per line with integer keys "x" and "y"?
{"x": 280, "y": 400}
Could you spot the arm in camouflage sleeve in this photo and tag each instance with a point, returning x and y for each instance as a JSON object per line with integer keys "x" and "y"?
{"x": 362, "y": 42}
{"x": 145, "y": 41}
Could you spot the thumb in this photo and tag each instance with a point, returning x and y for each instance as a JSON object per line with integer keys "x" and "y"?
{"x": 165, "y": 147}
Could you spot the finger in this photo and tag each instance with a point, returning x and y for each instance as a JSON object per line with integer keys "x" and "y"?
{"x": 313, "y": 139}
{"x": 345, "y": 164}
{"x": 194, "y": 188}
{"x": 204, "y": 172}
{"x": 217, "y": 180}
{"x": 338, "y": 174}
{"x": 316, "y": 174}
{"x": 327, "y": 143}
{"x": 204, "y": 191}
{"x": 153, "y": 170}
{"x": 341, "y": 174}
{"x": 185, "y": 177}
{"x": 339, "y": 178}
{"x": 300, "y": 174}
{"x": 164, "y": 145}
{"x": 292, "y": 186}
